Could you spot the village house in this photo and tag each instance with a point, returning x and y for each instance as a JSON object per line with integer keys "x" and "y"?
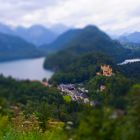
{"x": 83, "y": 89}
{"x": 102, "y": 88}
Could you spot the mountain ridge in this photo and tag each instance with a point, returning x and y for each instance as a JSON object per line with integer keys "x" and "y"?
{"x": 36, "y": 34}
{"x": 85, "y": 40}
{"x": 13, "y": 47}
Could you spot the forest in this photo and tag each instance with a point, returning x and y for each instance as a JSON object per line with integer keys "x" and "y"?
{"x": 76, "y": 69}
{"x": 31, "y": 111}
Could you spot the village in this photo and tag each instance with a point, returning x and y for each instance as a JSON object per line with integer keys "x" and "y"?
{"x": 79, "y": 93}
{"x": 76, "y": 93}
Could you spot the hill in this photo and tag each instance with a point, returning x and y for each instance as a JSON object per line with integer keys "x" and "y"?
{"x": 78, "y": 69}
{"x": 82, "y": 41}
{"x": 79, "y": 53}
{"x": 12, "y": 47}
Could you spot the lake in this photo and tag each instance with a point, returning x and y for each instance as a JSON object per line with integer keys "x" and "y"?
{"x": 31, "y": 69}
{"x": 130, "y": 61}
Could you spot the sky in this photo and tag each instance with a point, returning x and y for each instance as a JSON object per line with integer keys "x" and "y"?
{"x": 113, "y": 16}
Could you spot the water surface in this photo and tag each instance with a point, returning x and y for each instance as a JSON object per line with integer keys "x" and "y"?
{"x": 31, "y": 69}
{"x": 130, "y": 61}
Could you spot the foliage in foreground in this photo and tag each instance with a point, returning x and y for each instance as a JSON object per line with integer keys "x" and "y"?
{"x": 30, "y": 111}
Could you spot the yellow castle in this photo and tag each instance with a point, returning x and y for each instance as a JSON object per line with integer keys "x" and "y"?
{"x": 106, "y": 71}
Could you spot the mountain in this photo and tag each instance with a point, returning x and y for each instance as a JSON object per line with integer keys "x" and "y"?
{"x": 36, "y": 34}
{"x": 85, "y": 40}
{"x": 12, "y": 47}
{"x": 62, "y": 41}
{"x": 5, "y": 29}
{"x": 130, "y": 38}
{"x": 59, "y": 29}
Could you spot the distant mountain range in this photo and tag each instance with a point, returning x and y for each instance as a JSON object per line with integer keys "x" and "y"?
{"x": 36, "y": 34}
{"x": 12, "y": 47}
{"x": 130, "y": 38}
{"x": 18, "y": 42}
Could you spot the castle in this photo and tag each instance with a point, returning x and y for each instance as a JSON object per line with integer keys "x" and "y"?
{"x": 106, "y": 71}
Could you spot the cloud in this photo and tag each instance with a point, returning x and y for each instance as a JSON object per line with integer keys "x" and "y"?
{"x": 14, "y": 11}
{"x": 110, "y": 15}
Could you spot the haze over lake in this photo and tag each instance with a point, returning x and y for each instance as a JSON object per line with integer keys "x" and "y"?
{"x": 31, "y": 69}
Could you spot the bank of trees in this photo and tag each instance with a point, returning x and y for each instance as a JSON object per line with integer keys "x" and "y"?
{"x": 30, "y": 111}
